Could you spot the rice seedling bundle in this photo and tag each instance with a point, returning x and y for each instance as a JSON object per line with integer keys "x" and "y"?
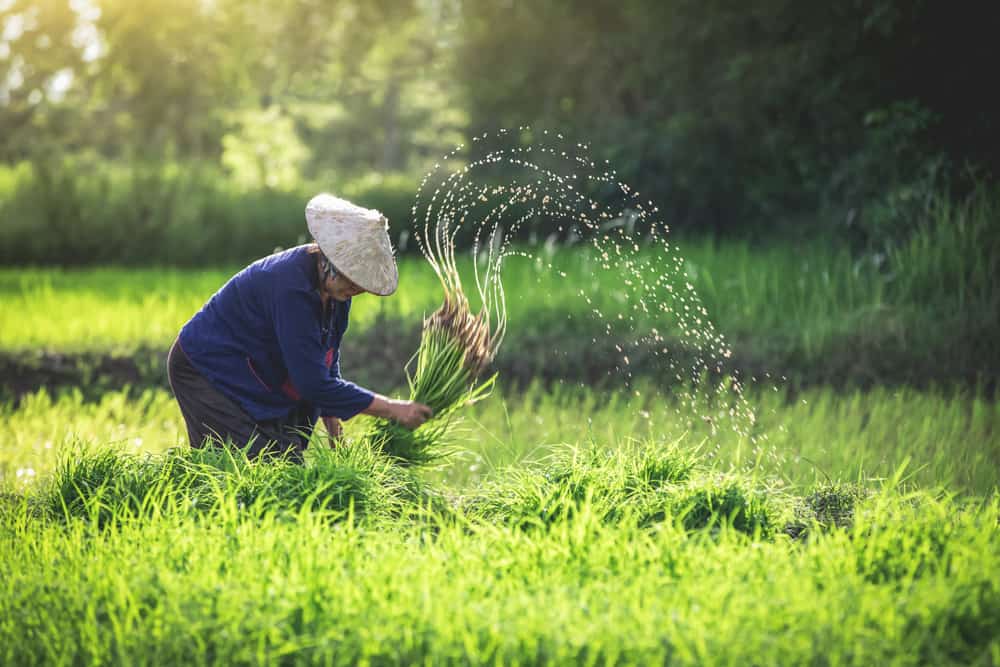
{"x": 456, "y": 349}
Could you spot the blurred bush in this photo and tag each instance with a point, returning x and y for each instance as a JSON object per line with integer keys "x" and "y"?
{"x": 84, "y": 210}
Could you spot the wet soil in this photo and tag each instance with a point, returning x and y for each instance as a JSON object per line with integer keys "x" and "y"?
{"x": 377, "y": 357}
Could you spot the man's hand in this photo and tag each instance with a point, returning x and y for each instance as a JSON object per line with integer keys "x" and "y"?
{"x": 334, "y": 429}
{"x": 408, "y": 413}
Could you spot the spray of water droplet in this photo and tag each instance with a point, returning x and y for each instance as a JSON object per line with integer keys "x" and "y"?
{"x": 480, "y": 200}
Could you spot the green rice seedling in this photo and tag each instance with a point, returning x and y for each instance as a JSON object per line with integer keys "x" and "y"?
{"x": 338, "y": 481}
{"x": 352, "y": 479}
{"x": 828, "y": 505}
{"x": 717, "y": 501}
{"x": 551, "y": 490}
{"x": 907, "y": 536}
{"x": 643, "y": 484}
{"x": 100, "y": 484}
{"x": 614, "y": 484}
{"x": 109, "y": 485}
{"x": 456, "y": 347}
{"x": 536, "y": 498}
{"x": 344, "y": 480}
{"x": 654, "y": 464}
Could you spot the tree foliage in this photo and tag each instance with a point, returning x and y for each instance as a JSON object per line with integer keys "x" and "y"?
{"x": 175, "y": 78}
{"x": 723, "y": 111}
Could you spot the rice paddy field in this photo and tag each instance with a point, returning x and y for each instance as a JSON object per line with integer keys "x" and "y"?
{"x": 578, "y": 522}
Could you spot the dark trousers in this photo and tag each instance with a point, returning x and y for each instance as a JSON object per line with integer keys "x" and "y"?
{"x": 213, "y": 418}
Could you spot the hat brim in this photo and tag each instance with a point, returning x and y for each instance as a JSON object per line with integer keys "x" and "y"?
{"x": 356, "y": 241}
{"x": 383, "y": 288}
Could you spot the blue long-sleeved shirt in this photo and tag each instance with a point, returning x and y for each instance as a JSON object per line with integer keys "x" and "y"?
{"x": 261, "y": 341}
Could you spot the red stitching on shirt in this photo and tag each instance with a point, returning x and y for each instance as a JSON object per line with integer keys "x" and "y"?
{"x": 254, "y": 371}
{"x": 291, "y": 391}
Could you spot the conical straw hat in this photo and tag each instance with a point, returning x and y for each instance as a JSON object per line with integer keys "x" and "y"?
{"x": 356, "y": 240}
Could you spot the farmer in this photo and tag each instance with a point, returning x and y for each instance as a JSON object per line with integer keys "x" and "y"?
{"x": 260, "y": 362}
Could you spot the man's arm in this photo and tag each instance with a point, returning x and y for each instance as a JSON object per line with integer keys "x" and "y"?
{"x": 408, "y": 413}
{"x": 303, "y": 356}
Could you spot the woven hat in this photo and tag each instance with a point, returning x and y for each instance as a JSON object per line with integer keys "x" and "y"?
{"x": 355, "y": 240}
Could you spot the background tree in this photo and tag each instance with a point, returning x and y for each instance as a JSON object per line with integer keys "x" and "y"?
{"x": 728, "y": 114}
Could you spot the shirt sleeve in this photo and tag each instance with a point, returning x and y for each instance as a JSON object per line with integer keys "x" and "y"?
{"x": 299, "y": 338}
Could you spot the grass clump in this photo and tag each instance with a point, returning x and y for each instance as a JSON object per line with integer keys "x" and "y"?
{"x": 641, "y": 485}
{"x": 106, "y": 484}
{"x": 611, "y": 483}
{"x": 109, "y": 484}
{"x": 827, "y": 505}
{"x": 714, "y": 502}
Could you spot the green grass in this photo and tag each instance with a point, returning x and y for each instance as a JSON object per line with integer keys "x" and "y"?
{"x": 949, "y": 440}
{"x": 644, "y": 556}
{"x": 928, "y": 311}
{"x": 579, "y": 526}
